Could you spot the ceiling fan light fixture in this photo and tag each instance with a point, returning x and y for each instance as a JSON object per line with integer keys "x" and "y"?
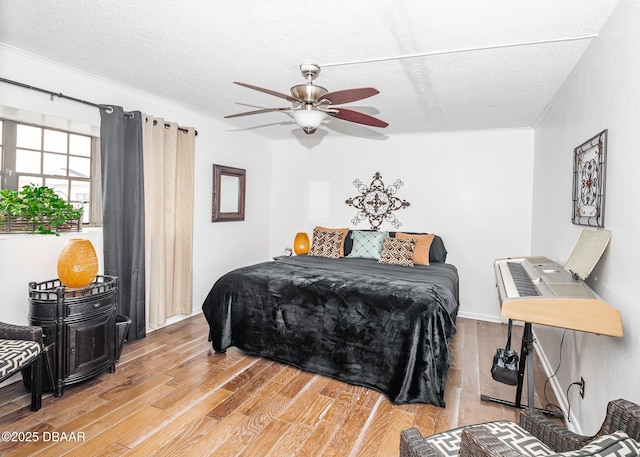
{"x": 308, "y": 119}
{"x": 308, "y": 93}
{"x": 311, "y": 103}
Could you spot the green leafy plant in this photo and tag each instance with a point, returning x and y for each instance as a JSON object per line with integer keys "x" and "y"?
{"x": 38, "y": 206}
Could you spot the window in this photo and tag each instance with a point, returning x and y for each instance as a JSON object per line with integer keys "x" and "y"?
{"x": 43, "y": 156}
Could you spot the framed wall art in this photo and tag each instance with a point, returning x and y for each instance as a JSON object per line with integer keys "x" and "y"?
{"x": 589, "y": 171}
{"x": 228, "y": 193}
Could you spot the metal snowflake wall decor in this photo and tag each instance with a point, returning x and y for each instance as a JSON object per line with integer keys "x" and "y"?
{"x": 377, "y": 202}
{"x": 589, "y": 166}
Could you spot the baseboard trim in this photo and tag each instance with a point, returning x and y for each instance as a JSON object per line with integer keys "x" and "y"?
{"x": 573, "y": 424}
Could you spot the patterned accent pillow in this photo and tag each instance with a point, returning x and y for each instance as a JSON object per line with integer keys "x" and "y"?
{"x": 423, "y": 245}
{"x": 367, "y": 245}
{"x": 616, "y": 444}
{"x": 326, "y": 243}
{"x": 16, "y": 354}
{"x": 398, "y": 252}
{"x": 447, "y": 444}
{"x": 343, "y": 231}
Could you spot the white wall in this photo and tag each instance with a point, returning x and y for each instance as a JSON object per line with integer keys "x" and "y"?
{"x": 217, "y": 246}
{"x": 601, "y": 93}
{"x": 474, "y": 189}
{"x": 26, "y": 258}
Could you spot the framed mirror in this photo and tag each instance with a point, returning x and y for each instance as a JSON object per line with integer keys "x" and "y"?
{"x": 228, "y": 193}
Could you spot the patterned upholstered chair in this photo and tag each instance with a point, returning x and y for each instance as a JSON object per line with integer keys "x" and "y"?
{"x": 536, "y": 435}
{"x": 21, "y": 347}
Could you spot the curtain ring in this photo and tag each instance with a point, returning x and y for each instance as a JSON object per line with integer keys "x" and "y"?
{"x": 109, "y": 109}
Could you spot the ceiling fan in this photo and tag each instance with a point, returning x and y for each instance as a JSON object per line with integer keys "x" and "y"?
{"x": 312, "y": 103}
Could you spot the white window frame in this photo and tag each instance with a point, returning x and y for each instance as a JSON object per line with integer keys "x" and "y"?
{"x": 10, "y": 178}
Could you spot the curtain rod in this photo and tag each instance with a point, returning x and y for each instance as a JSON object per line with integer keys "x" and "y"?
{"x": 61, "y": 95}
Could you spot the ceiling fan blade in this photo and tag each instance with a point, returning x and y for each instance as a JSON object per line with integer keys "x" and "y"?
{"x": 349, "y": 95}
{"x": 259, "y": 111}
{"x": 356, "y": 116}
{"x": 269, "y": 91}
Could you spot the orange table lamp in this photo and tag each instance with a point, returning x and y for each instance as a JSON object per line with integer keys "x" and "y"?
{"x": 77, "y": 263}
{"x": 301, "y": 243}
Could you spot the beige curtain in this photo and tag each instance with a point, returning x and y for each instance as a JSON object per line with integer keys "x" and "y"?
{"x": 168, "y": 155}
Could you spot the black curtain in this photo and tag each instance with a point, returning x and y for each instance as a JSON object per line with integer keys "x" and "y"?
{"x": 123, "y": 210}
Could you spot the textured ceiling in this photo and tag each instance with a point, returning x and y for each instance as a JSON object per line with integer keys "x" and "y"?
{"x": 191, "y": 51}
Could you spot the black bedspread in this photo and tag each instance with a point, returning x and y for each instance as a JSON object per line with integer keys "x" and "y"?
{"x": 380, "y": 326}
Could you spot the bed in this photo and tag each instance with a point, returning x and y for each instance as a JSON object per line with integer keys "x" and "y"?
{"x": 367, "y": 323}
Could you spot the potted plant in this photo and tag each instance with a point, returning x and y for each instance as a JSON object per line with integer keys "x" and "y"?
{"x": 37, "y": 209}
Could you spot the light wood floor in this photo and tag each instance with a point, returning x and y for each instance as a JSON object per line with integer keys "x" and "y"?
{"x": 172, "y": 395}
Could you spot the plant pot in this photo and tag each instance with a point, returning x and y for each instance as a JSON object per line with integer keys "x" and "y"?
{"x": 11, "y": 224}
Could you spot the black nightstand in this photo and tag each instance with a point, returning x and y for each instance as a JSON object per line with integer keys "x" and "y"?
{"x": 81, "y": 323}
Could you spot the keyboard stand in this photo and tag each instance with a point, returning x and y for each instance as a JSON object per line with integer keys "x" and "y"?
{"x": 525, "y": 350}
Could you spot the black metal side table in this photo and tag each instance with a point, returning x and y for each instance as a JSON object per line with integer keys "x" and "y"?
{"x": 80, "y": 323}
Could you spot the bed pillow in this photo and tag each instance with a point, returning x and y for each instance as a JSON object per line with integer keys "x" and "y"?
{"x": 366, "y": 244}
{"x": 437, "y": 252}
{"x": 397, "y": 251}
{"x": 348, "y": 240}
{"x": 422, "y": 249}
{"x": 326, "y": 243}
{"x": 342, "y": 231}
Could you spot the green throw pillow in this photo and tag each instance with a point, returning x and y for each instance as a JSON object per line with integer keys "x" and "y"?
{"x": 367, "y": 245}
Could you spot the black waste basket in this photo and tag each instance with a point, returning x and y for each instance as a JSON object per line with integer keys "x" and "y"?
{"x": 122, "y": 330}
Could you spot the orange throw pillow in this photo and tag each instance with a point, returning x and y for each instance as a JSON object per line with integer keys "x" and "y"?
{"x": 421, "y": 251}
